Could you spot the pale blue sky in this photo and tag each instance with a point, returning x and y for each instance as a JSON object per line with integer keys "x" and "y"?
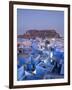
{"x": 40, "y": 19}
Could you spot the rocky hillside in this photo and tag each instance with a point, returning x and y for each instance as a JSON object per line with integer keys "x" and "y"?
{"x": 40, "y": 33}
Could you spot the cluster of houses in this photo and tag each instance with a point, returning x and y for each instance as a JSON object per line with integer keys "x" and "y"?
{"x": 45, "y": 58}
{"x": 41, "y": 44}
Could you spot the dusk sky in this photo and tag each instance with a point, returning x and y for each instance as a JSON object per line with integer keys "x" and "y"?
{"x": 40, "y": 19}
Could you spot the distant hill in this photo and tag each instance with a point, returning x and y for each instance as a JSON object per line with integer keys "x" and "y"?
{"x": 40, "y": 33}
